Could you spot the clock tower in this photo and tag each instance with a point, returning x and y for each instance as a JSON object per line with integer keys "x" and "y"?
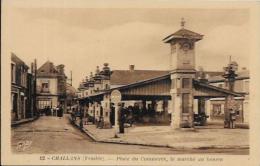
{"x": 183, "y": 72}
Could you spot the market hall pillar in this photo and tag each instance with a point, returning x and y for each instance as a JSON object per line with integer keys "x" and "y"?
{"x": 182, "y": 44}
{"x": 202, "y": 110}
{"x": 182, "y": 101}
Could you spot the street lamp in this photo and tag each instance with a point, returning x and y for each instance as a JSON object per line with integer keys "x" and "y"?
{"x": 230, "y": 74}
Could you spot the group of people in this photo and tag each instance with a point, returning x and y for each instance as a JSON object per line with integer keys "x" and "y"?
{"x": 50, "y": 111}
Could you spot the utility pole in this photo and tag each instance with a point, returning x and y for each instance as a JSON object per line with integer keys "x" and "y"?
{"x": 70, "y": 79}
{"x": 230, "y": 77}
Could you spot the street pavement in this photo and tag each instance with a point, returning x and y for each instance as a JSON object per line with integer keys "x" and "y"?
{"x": 52, "y": 135}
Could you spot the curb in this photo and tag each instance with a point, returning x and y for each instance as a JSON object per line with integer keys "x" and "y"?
{"x": 156, "y": 145}
{"x": 93, "y": 138}
{"x": 179, "y": 147}
{"x": 15, "y": 124}
{"x": 237, "y": 125}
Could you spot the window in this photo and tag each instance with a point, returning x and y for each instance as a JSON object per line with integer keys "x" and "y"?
{"x": 13, "y": 73}
{"x": 185, "y": 83}
{"x": 185, "y": 105}
{"x": 106, "y": 86}
{"x": 45, "y": 87}
{"x": 216, "y": 109}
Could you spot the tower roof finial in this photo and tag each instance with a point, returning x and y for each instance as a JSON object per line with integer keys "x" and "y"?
{"x": 182, "y": 22}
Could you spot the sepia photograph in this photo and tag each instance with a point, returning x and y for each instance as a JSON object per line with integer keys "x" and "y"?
{"x": 128, "y": 84}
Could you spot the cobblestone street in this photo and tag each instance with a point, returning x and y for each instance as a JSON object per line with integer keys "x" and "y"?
{"x": 51, "y": 135}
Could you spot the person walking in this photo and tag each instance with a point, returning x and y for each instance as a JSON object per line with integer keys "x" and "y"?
{"x": 232, "y": 118}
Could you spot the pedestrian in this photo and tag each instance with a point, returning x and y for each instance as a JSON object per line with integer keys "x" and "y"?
{"x": 45, "y": 110}
{"x": 112, "y": 115}
{"x": 60, "y": 111}
{"x": 81, "y": 111}
{"x": 51, "y": 111}
{"x": 85, "y": 116}
{"x": 121, "y": 119}
{"x": 232, "y": 118}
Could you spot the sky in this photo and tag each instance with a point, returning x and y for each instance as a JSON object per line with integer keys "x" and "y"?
{"x": 83, "y": 38}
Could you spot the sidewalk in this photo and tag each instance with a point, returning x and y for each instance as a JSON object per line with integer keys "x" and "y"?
{"x": 237, "y": 125}
{"x": 22, "y": 121}
{"x": 164, "y": 136}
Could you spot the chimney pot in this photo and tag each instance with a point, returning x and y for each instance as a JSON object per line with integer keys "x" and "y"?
{"x": 131, "y": 67}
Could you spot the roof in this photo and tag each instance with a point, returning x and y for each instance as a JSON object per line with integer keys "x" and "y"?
{"x": 17, "y": 60}
{"x": 210, "y": 73}
{"x": 183, "y": 33}
{"x": 163, "y": 75}
{"x": 215, "y": 88}
{"x": 243, "y": 74}
{"x": 125, "y": 77}
{"x": 48, "y": 69}
{"x": 138, "y": 83}
{"x": 167, "y": 77}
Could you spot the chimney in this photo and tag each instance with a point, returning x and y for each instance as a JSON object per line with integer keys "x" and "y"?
{"x": 60, "y": 69}
{"x": 131, "y": 67}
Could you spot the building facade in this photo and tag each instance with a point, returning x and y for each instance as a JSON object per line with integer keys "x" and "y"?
{"x": 51, "y": 86}
{"x": 22, "y": 90}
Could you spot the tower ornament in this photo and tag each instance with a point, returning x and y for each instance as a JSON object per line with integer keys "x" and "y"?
{"x": 182, "y": 23}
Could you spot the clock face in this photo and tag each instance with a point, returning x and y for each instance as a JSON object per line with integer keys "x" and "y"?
{"x": 186, "y": 46}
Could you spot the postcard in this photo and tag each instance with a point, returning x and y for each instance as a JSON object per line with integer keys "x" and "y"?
{"x": 130, "y": 82}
